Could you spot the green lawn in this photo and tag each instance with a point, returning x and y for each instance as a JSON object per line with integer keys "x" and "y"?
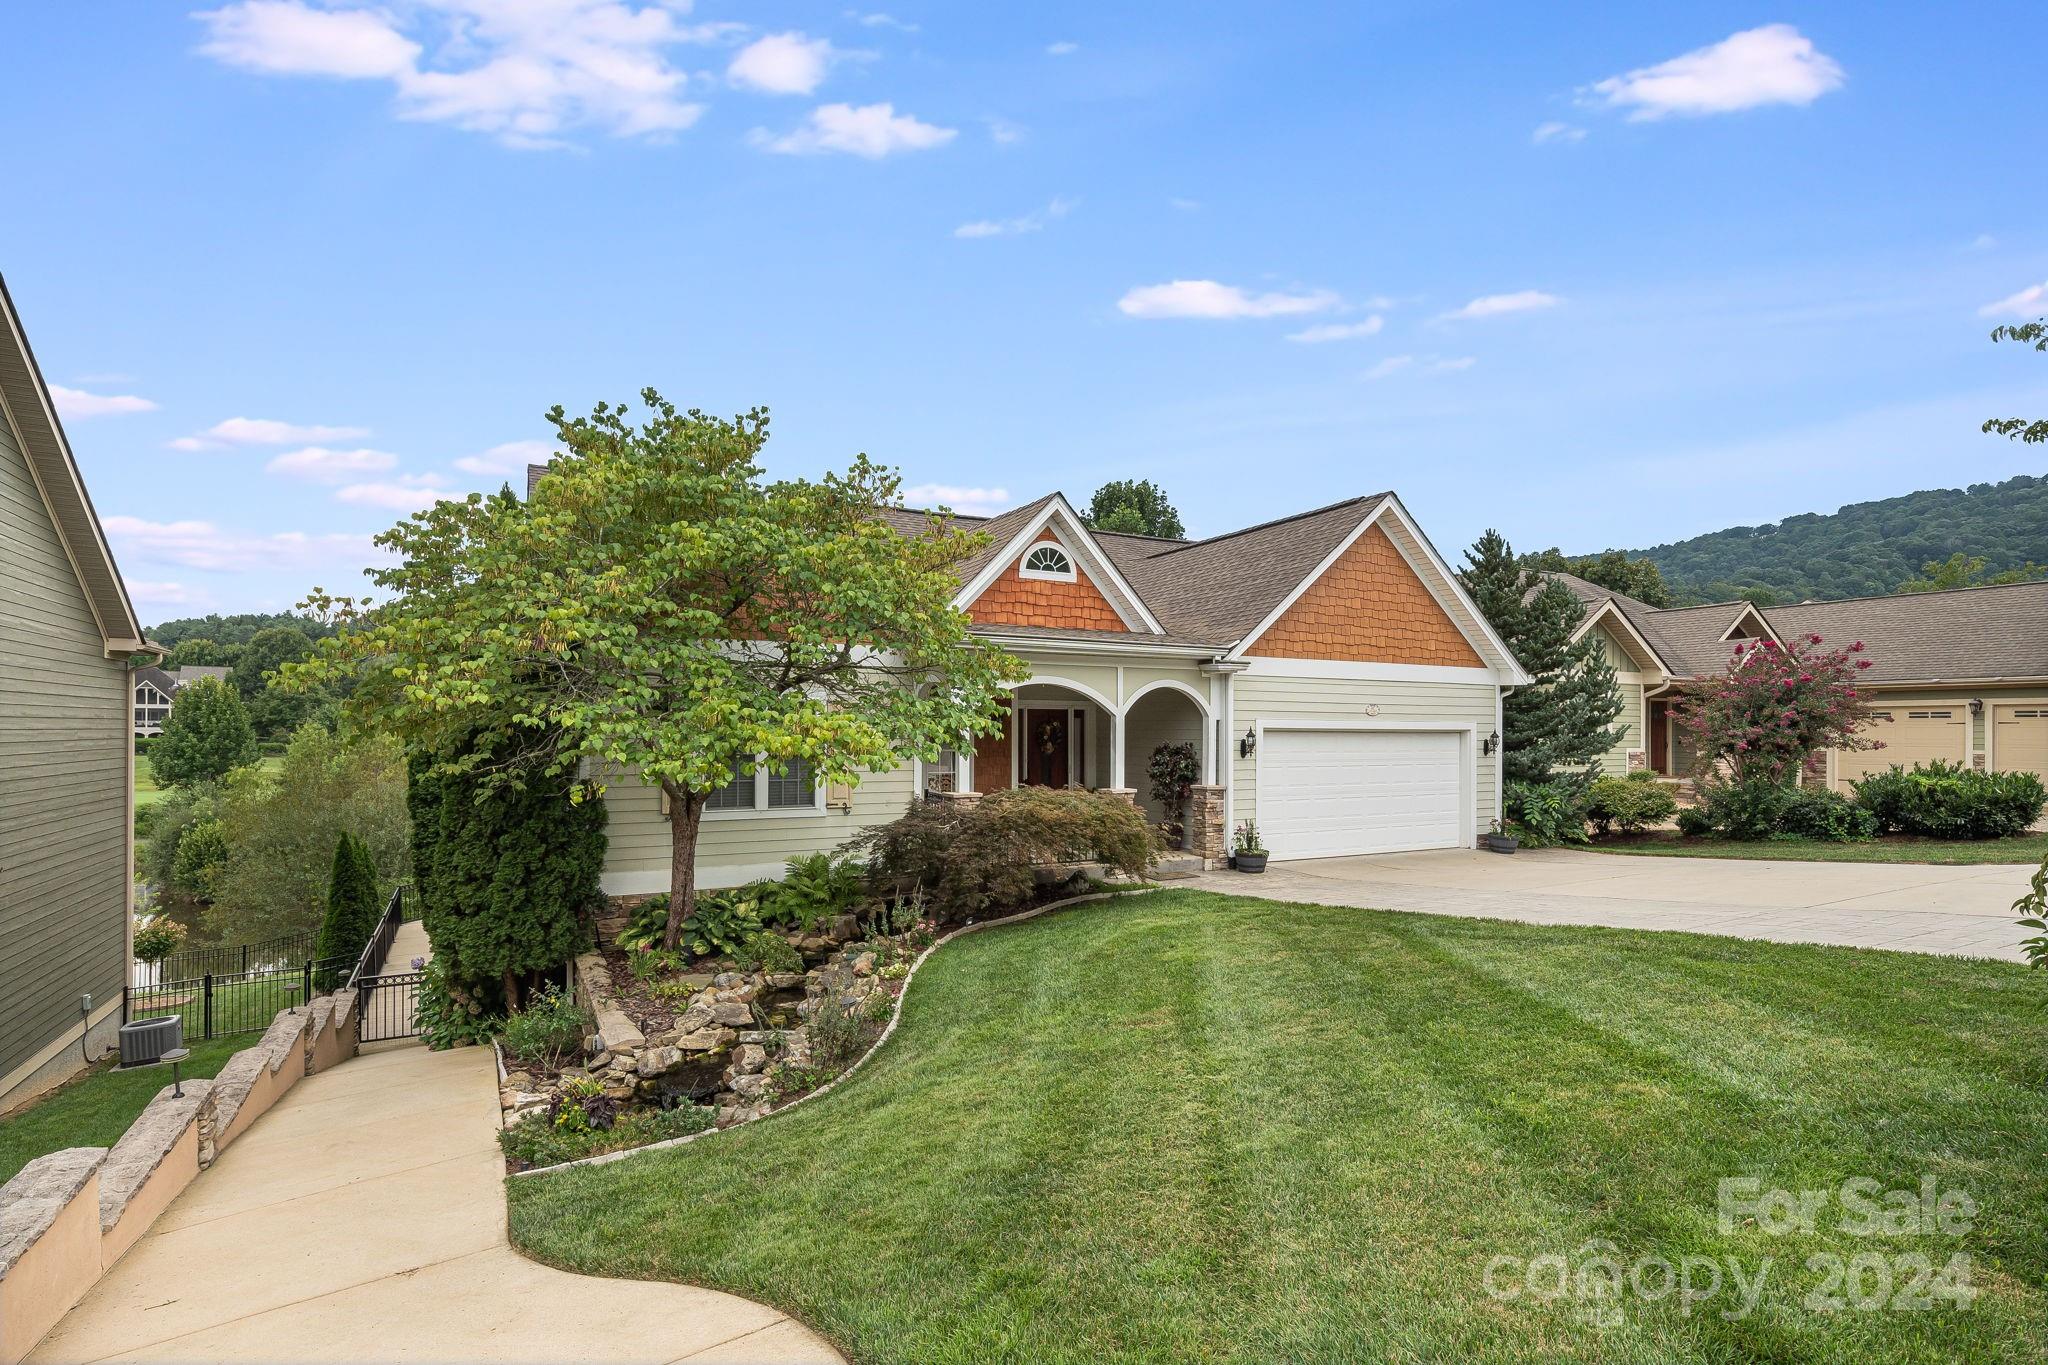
{"x": 1188, "y": 1127}
{"x": 148, "y": 793}
{"x": 1896, "y": 848}
{"x": 95, "y": 1109}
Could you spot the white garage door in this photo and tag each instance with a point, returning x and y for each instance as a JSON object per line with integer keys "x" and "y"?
{"x": 2019, "y": 739}
{"x": 1326, "y": 793}
{"x": 1910, "y": 735}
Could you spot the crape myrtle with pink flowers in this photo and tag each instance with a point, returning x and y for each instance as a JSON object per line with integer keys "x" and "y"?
{"x": 1777, "y": 706}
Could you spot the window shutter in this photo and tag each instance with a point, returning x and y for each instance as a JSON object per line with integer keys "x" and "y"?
{"x": 839, "y": 795}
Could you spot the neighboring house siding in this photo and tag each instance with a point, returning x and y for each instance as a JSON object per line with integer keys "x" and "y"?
{"x": 1281, "y": 698}
{"x": 64, "y": 741}
{"x": 1368, "y": 607}
{"x": 1014, "y": 600}
{"x": 1614, "y": 762}
{"x": 1956, "y": 698}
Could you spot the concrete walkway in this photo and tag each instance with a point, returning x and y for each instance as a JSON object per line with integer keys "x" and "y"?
{"x": 1965, "y": 911}
{"x": 363, "y": 1219}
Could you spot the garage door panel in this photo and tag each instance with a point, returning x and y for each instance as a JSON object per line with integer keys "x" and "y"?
{"x": 1910, "y": 735}
{"x": 2019, "y": 739}
{"x": 1327, "y": 793}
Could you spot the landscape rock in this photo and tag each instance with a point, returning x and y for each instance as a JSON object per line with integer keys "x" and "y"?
{"x": 864, "y": 965}
{"x": 732, "y": 1014}
{"x": 659, "y": 1061}
{"x": 750, "y": 1088}
{"x": 705, "y": 1040}
{"x": 749, "y": 1058}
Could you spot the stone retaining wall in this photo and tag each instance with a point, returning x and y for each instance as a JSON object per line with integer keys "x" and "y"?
{"x": 67, "y": 1217}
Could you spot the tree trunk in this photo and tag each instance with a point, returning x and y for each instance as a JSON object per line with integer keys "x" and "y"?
{"x": 511, "y": 990}
{"x": 685, "y": 818}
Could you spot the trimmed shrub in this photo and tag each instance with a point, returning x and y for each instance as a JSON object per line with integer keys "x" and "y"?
{"x": 1630, "y": 803}
{"x": 1949, "y": 801}
{"x": 158, "y": 939}
{"x": 504, "y": 874}
{"x": 1744, "y": 811}
{"x": 1695, "y": 823}
{"x": 1815, "y": 813}
{"x": 966, "y": 858}
{"x": 1546, "y": 814}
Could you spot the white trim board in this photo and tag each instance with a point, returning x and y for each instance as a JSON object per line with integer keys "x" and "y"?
{"x": 1263, "y": 667}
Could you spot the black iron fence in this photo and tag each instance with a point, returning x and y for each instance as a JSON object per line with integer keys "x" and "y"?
{"x": 215, "y": 1004}
{"x": 190, "y": 963}
{"x": 387, "y": 1006}
{"x": 240, "y": 989}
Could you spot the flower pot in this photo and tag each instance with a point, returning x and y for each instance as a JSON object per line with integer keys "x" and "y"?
{"x": 1499, "y": 843}
{"x": 1250, "y": 862}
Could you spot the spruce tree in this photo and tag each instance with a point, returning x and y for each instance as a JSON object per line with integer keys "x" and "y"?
{"x": 1564, "y": 720}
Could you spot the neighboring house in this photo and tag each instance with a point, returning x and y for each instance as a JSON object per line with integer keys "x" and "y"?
{"x": 1337, "y": 683}
{"x": 66, "y": 759}
{"x": 156, "y": 688}
{"x": 1960, "y": 675}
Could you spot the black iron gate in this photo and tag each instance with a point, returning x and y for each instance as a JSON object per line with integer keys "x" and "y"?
{"x": 388, "y": 1006}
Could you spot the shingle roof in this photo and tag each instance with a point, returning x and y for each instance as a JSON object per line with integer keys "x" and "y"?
{"x": 1688, "y": 639}
{"x": 1976, "y": 634}
{"x": 1220, "y": 588}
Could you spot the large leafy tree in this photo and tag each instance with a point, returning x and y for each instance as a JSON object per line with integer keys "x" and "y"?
{"x": 205, "y": 737}
{"x": 1136, "y": 507}
{"x": 661, "y": 605}
{"x": 1564, "y": 720}
{"x": 1968, "y": 571}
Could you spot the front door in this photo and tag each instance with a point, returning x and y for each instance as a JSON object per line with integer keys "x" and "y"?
{"x": 1044, "y": 758}
{"x": 1660, "y": 738}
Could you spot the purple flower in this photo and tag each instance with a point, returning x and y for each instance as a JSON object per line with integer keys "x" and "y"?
{"x": 419, "y": 964}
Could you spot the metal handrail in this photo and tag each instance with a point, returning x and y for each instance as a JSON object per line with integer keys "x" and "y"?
{"x": 372, "y": 960}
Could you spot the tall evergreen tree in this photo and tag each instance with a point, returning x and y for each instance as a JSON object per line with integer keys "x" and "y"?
{"x": 1134, "y": 506}
{"x": 503, "y": 873}
{"x": 1564, "y": 720}
{"x": 352, "y": 909}
{"x": 206, "y": 736}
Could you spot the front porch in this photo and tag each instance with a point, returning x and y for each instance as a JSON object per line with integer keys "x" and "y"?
{"x": 1062, "y": 733}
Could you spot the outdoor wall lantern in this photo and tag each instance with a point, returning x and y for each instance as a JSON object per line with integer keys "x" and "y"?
{"x": 1249, "y": 742}
{"x": 1491, "y": 743}
{"x": 1976, "y": 706}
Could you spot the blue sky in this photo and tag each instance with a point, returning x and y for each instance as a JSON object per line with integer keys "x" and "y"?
{"x": 1596, "y": 274}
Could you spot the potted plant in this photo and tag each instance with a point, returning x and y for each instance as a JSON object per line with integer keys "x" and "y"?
{"x": 1499, "y": 840}
{"x": 1248, "y": 854}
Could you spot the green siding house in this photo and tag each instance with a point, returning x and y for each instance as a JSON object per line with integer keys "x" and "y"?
{"x": 67, "y": 631}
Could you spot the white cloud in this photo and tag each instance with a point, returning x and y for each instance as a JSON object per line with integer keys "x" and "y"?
{"x": 1983, "y": 241}
{"x": 1034, "y": 221}
{"x": 77, "y": 403}
{"x": 872, "y": 130}
{"x": 972, "y": 502}
{"x": 1208, "y": 299}
{"x": 512, "y": 457}
{"x": 286, "y": 38}
{"x": 1434, "y": 364}
{"x": 1061, "y": 49}
{"x": 322, "y": 465}
{"x": 1493, "y": 305}
{"x": 525, "y": 71}
{"x": 879, "y": 20}
{"x": 409, "y": 493}
{"x": 782, "y": 64}
{"x": 1774, "y": 64}
{"x": 202, "y": 545}
{"x": 1338, "y": 331}
{"x": 156, "y": 598}
{"x": 1184, "y": 205}
{"x": 2028, "y": 302}
{"x": 264, "y": 431}
{"x": 1557, "y": 132}
{"x": 1003, "y": 132}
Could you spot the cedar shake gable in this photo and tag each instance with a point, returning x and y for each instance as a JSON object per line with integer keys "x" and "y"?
{"x": 1368, "y": 607}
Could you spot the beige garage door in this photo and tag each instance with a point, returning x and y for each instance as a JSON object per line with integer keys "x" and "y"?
{"x": 2019, "y": 739}
{"x": 1910, "y": 735}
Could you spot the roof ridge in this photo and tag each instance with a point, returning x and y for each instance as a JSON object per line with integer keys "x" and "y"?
{"x": 1899, "y": 596}
{"x": 1277, "y": 521}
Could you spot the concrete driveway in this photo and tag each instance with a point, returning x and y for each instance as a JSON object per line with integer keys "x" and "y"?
{"x": 1965, "y": 911}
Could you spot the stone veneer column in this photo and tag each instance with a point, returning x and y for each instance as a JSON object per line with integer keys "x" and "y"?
{"x": 1205, "y": 822}
{"x": 1127, "y": 795}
